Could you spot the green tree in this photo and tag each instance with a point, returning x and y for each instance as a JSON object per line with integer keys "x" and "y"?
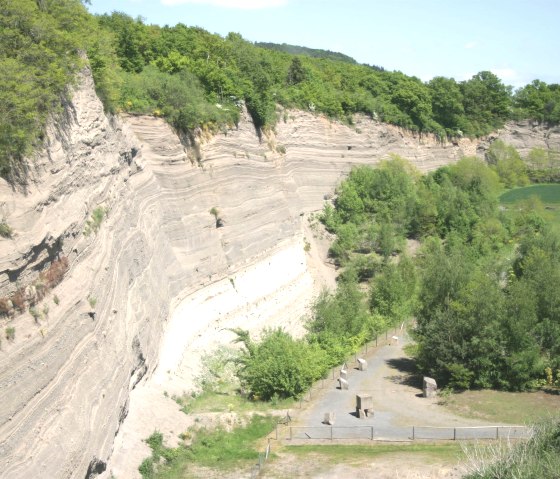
{"x": 296, "y": 72}
{"x": 447, "y": 102}
{"x": 508, "y": 164}
{"x": 279, "y": 365}
{"x": 486, "y": 101}
{"x": 393, "y": 291}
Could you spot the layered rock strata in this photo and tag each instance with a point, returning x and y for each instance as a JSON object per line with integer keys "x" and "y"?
{"x": 195, "y": 241}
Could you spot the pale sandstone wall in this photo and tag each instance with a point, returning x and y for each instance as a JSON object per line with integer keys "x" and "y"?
{"x": 159, "y": 267}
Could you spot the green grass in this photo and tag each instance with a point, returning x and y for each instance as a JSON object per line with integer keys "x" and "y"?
{"x": 217, "y": 450}
{"x": 341, "y": 453}
{"x": 537, "y": 458}
{"x": 227, "y": 399}
{"x": 506, "y": 407}
{"x": 547, "y": 193}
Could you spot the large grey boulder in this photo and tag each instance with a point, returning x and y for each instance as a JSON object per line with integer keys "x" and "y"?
{"x": 429, "y": 387}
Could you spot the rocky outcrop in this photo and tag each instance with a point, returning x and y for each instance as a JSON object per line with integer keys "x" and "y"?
{"x": 161, "y": 281}
{"x": 524, "y": 136}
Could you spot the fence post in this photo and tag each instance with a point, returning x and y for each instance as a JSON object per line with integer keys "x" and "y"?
{"x": 413, "y": 433}
{"x": 372, "y": 433}
{"x": 331, "y": 433}
{"x": 497, "y": 432}
{"x": 290, "y": 433}
{"x": 454, "y": 433}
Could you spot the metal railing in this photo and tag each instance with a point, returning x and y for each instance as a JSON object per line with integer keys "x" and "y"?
{"x": 410, "y": 433}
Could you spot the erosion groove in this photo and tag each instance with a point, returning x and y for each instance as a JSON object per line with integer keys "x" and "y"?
{"x": 80, "y": 390}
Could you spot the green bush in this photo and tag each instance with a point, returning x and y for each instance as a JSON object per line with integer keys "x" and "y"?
{"x": 5, "y": 230}
{"x": 279, "y": 365}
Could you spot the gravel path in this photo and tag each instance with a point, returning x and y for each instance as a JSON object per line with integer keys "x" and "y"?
{"x": 397, "y": 401}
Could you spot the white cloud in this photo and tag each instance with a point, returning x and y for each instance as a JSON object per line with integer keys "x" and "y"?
{"x": 470, "y": 45}
{"x": 239, "y": 4}
{"x": 505, "y": 73}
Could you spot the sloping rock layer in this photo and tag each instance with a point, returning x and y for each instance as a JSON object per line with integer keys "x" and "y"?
{"x": 196, "y": 239}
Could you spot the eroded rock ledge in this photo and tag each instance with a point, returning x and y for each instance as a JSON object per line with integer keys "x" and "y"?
{"x": 165, "y": 278}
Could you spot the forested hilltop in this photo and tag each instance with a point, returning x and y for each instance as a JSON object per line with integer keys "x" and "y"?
{"x": 194, "y": 78}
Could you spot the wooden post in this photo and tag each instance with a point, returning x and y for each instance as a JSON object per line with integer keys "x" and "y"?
{"x": 497, "y": 432}
{"x": 331, "y": 433}
{"x": 290, "y": 433}
{"x": 372, "y": 433}
{"x": 413, "y": 433}
{"x": 454, "y": 433}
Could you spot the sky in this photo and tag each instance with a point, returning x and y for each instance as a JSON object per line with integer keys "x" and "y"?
{"x": 518, "y": 40}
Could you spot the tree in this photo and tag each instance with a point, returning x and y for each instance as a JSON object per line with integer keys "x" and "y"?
{"x": 279, "y": 365}
{"x": 508, "y": 164}
{"x": 486, "y": 101}
{"x": 447, "y": 102}
{"x": 393, "y": 291}
{"x": 296, "y": 72}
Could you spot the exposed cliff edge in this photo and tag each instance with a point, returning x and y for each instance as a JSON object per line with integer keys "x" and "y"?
{"x": 168, "y": 278}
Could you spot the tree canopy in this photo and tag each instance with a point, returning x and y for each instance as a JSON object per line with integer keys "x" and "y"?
{"x": 144, "y": 68}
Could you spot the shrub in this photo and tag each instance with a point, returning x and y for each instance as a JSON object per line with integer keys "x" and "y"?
{"x": 279, "y": 364}
{"x": 55, "y": 272}
{"x": 92, "y": 300}
{"x": 33, "y": 311}
{"x": 5, "y": 230}
{"x": 5, "y": 306}
{"x": 93, "y": 224}
{"x": 10, "y": 333}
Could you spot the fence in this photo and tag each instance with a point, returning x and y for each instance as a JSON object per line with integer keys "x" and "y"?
{"x": 332, "y": 376}
{"x": 263, "y": 457}
{"x": 410, "y": 433}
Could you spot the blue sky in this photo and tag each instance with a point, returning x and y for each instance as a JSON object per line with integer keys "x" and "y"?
{"x": 517, "y": 39}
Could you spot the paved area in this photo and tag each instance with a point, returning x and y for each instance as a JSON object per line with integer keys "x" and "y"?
{"x": 397, "y": 401}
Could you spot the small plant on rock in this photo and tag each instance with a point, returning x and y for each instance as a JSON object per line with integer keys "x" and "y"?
{"x": 36, "y": 315}
{"x": 214, "y": 212}
{"x": 92, "y": 300}
{"x": 93, "y": 224}
{"x": 10, "y": 333}
{"x": 6, "y": 230}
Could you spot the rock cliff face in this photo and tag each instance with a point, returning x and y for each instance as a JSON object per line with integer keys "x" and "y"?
{"x": 194, "y": 241}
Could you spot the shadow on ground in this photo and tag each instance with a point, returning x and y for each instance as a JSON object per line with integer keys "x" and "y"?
{"x": 409, "y": 374}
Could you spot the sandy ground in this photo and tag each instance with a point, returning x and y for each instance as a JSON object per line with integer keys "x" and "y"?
{"x": 387, "y": 466}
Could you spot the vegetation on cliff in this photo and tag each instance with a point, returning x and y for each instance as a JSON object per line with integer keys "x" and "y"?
{"x": 42, "y": 46}
{"x": 194, "y": 78}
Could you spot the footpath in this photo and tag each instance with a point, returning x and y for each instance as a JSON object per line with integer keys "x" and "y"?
{"x": 400, "y": 411}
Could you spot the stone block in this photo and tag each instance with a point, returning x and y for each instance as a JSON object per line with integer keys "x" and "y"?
{"x": 362, "y": 364}
{"x": 364, "y": 401}
{"x": 344, "y": 374}
{"x": 329, "y": 418}
{"x": 429, "y": 387}
{"x": 343, "y": 383}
